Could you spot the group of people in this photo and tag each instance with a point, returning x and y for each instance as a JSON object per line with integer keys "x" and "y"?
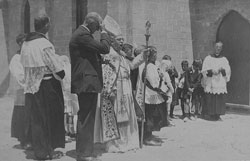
{"x": 202, "y": 88}
{"x": 119, "y": 92}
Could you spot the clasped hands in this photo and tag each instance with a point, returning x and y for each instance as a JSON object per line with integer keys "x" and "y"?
{"x": 216, "y": 72}
{"x": 191, "y": 90}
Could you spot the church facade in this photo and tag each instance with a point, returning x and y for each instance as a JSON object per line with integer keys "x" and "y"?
{"x": 183, "y": 29}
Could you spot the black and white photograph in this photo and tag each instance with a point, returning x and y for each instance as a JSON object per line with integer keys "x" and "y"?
{"x": 125, "y": 80}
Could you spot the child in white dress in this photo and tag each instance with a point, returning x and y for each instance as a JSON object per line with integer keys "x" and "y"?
{"x": 70, "y": 100}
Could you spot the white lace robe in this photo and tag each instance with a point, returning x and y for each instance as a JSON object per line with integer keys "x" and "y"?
{"x": 38, "y": 58}
{"x": 217, "y": 84}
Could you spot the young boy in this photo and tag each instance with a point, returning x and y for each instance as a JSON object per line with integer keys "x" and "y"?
{"x": 70, "y": 101}
{"x": 198, "y": 90}
{"x": 185, "y": 91}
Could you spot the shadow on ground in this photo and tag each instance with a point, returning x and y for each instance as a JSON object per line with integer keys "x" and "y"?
{"x": 30, "y": 154}
{"x": 99, "y": 149}
{"x": 18, "y": 146}
{"x": 72, "y": 154}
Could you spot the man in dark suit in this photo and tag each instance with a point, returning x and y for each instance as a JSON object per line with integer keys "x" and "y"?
{"x": 86, "y": 78}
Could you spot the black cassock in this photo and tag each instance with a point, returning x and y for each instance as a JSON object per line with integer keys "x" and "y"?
{"x": 47, "y": 117}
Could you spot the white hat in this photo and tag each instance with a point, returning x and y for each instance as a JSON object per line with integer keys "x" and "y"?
{"x": 166, "y": 64}
{"x": 112, "y": 26}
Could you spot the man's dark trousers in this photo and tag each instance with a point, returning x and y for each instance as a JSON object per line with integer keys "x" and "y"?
{"x": 85, "y": 123}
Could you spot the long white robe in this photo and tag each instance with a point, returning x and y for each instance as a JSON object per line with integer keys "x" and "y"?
{"x": 17, "y": 71}
{"x": 217, "y": 84}
{"x": 128, "y": 129}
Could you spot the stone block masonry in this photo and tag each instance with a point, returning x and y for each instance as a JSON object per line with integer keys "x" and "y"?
{"x": 206, "y": 16}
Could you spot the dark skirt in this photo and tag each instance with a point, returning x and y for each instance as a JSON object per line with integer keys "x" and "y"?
{"x": 47, "y": 118}
{"x": 215, "y": 104}
{"x": 20, "y": 124}
{"x": 156, "y": 117}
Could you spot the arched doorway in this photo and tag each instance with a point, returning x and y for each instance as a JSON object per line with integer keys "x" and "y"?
{"x": 234, "y": 32}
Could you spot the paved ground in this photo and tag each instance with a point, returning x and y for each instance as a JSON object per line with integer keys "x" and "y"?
{"x": 200, "y": 140}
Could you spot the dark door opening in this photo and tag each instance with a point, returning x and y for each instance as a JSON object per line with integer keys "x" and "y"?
{"x": 234, "y": 32}
{"x": 27, "y": 17}
{"x": 81, "y": 11}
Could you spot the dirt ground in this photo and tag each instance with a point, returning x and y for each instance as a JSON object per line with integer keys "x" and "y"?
{"x": 199, "y": 140}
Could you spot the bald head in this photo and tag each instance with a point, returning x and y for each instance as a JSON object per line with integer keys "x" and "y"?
{"x": 92, "y": 21}
{"x": 93, "y": 16}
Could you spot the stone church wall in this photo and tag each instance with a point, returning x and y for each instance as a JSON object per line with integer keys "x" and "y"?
{"x": 206, "y": 16}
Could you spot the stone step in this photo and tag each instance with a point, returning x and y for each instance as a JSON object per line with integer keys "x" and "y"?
{"x": 238, "y": 108}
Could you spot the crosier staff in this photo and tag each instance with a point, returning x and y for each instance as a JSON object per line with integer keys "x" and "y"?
{"x": 147, "y": 35}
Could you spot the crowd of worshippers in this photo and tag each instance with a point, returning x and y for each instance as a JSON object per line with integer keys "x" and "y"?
{"x": 97, "y": 95}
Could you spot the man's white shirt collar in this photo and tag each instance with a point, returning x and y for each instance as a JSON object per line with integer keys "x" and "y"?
{"x": 86, "y": 28}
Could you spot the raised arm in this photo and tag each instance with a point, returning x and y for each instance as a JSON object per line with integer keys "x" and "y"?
{"x": 136, "y": 62}
{"x": 102, "y": 46}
